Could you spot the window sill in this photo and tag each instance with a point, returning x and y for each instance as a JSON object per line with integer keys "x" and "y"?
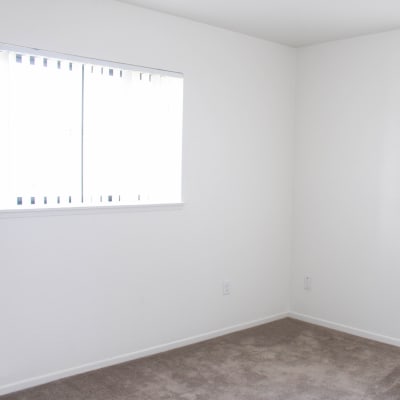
{"x": 88, "y": 210}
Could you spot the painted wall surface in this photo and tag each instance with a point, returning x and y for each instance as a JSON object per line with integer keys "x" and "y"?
{"x": 347, "y": 183}
{"x": 79, "y": 287}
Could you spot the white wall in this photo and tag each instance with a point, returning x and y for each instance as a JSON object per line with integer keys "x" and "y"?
{"x": 83, "y": 287}
{"x": 347, "y": 184}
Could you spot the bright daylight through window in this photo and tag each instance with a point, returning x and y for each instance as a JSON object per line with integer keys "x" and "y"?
{"x": 86, "y": 133}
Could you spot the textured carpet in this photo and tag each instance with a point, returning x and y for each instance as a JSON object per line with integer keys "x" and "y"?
{"x": 283, "y": 360}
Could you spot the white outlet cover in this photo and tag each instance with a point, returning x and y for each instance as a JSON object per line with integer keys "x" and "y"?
{"x": 226, "y": 288}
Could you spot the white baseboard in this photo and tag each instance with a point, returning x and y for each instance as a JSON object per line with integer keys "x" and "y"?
{"x": 344, "y": 328}
{"x": 39, "y": 380}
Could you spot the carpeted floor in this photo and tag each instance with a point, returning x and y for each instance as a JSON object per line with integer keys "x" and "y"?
{"x": 283, "y": 360}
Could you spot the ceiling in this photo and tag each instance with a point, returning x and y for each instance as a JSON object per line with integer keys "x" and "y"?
{"x": 292, "y": 22}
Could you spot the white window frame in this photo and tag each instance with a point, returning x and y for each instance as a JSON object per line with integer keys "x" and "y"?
{"x": 97, "y": 208}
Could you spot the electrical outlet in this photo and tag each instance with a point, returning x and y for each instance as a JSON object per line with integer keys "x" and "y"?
{"x": 226, "y": 288}
{"x": 307, "y": 283}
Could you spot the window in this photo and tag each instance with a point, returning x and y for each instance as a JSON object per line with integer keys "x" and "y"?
{"x": 79, "y": 132}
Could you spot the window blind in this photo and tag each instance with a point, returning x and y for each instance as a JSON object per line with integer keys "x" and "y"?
{"x": 81, "y": 133}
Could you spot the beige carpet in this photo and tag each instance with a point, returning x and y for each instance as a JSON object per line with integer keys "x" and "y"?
{"x": 283, "y": 360}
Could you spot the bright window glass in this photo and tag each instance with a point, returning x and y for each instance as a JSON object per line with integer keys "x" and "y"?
{"x": 87, "y": 134}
